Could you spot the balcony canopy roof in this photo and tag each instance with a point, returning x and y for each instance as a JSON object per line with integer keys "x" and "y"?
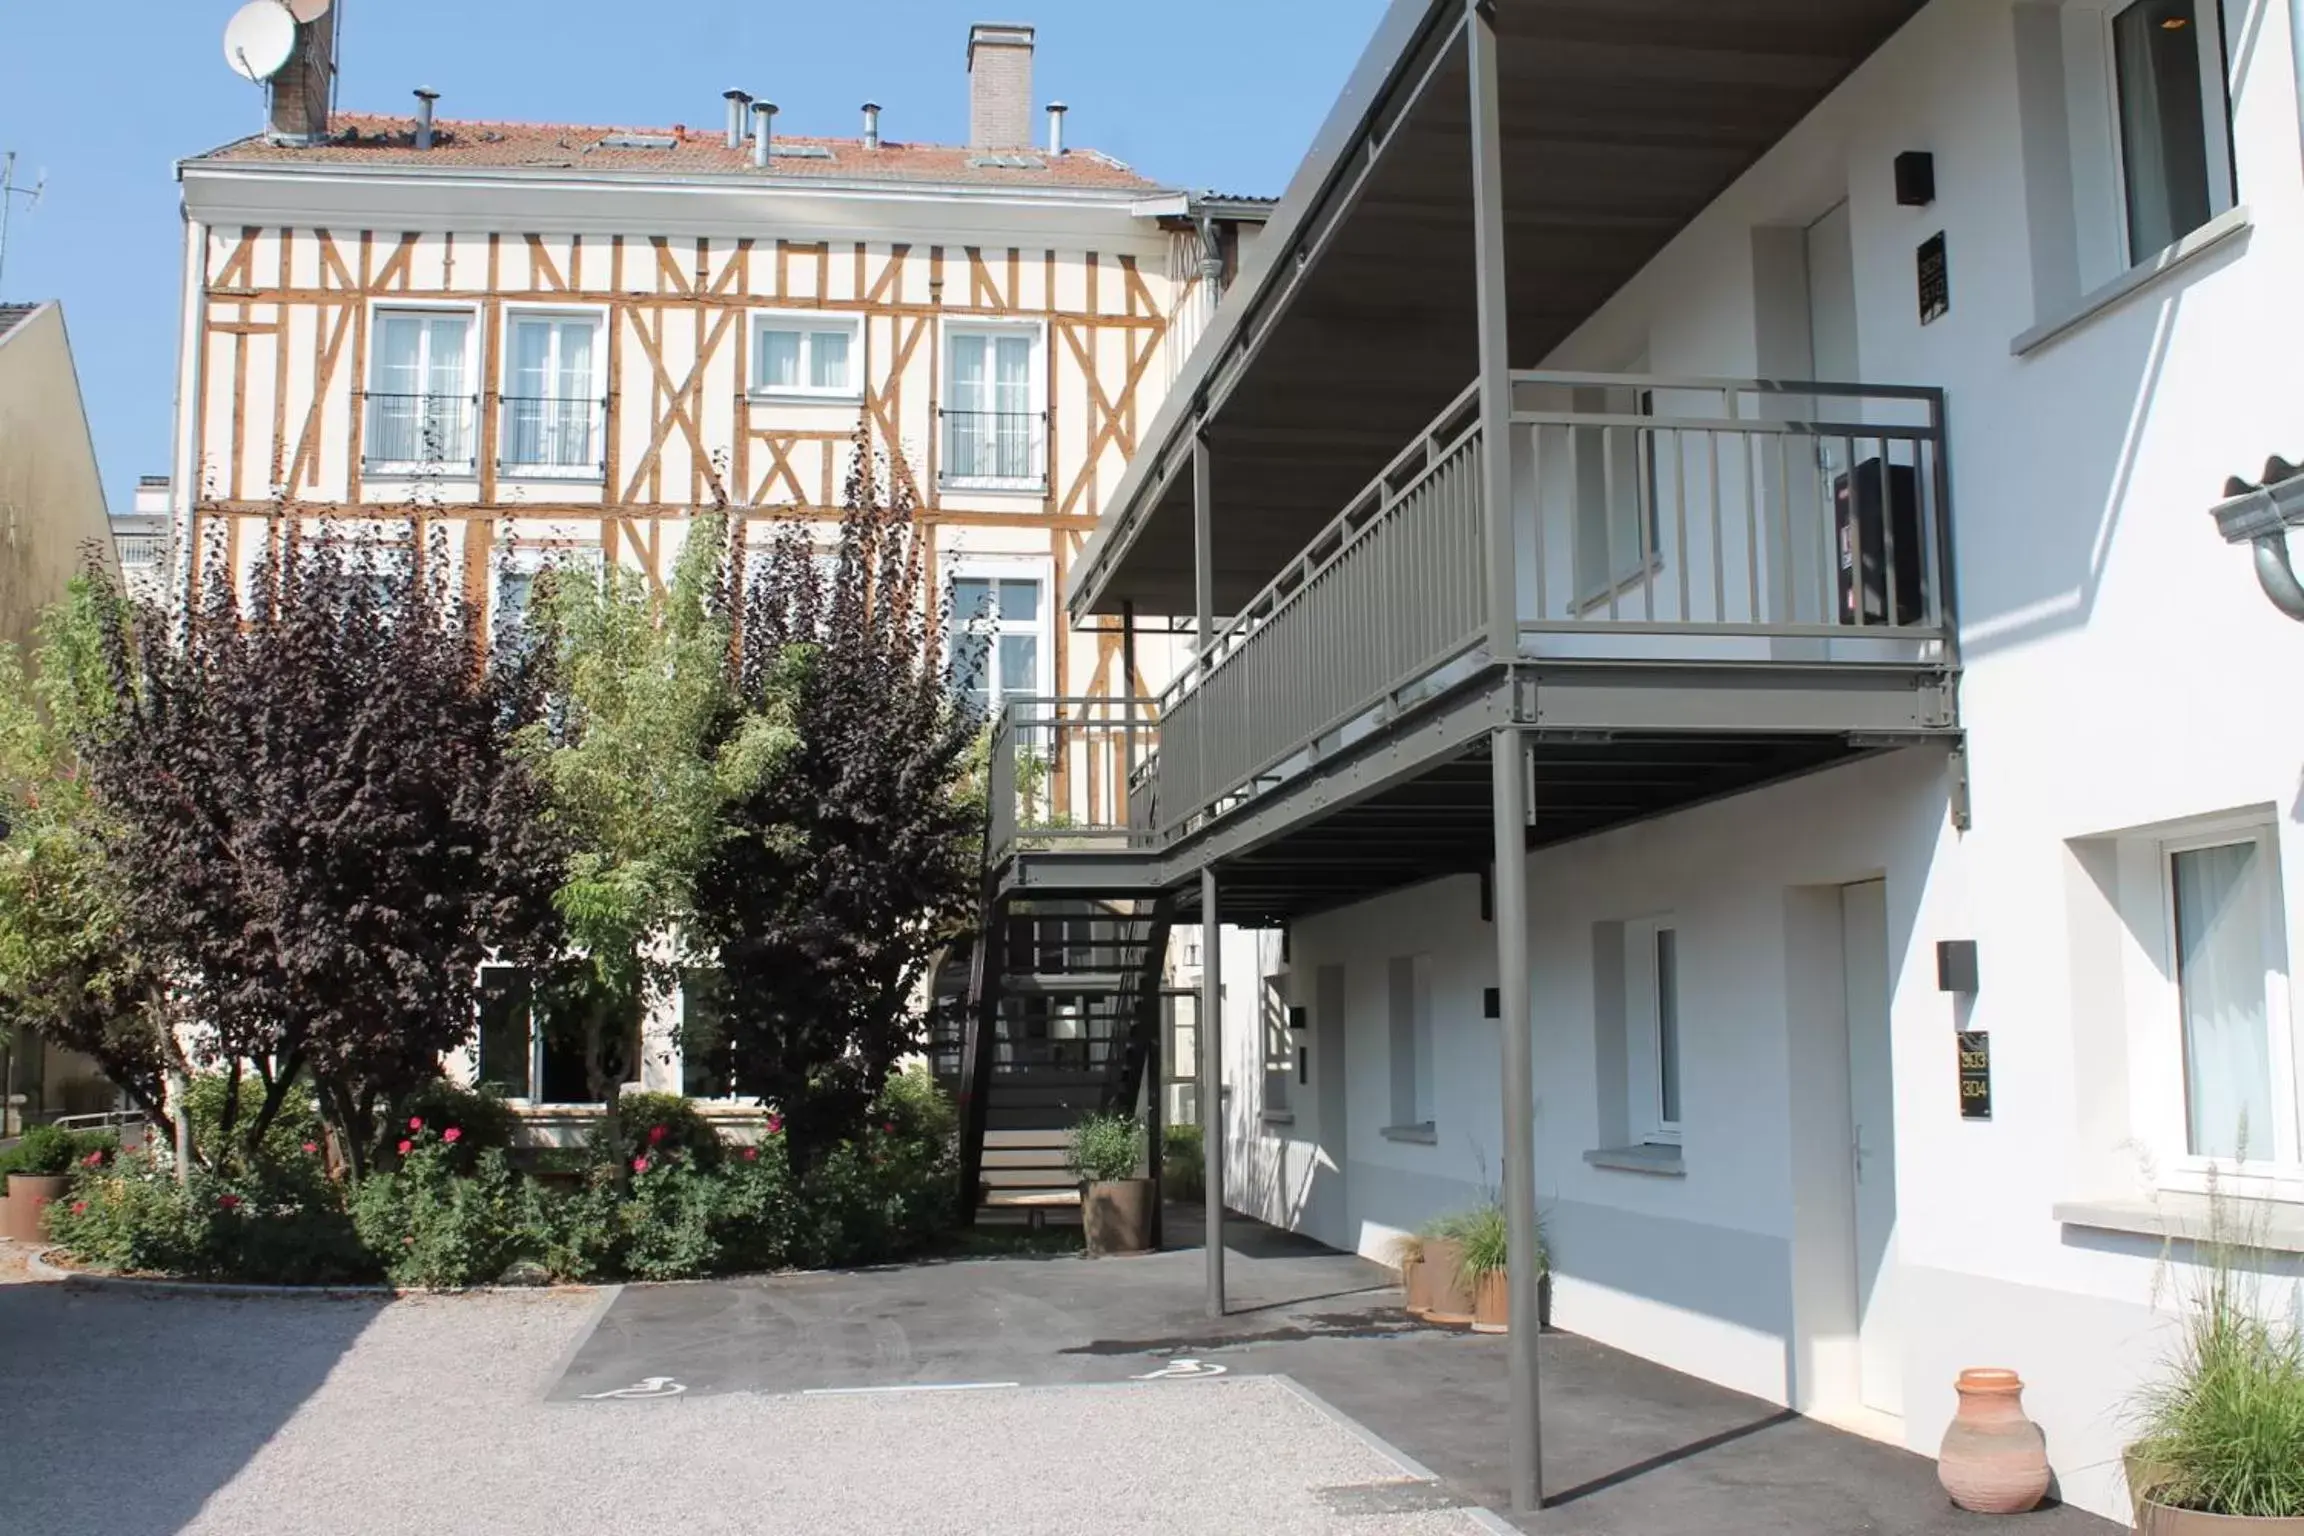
{"x": 1352, "y": 324}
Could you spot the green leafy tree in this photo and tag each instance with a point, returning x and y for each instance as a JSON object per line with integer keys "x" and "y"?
{"x": 68, "y": 968}
{"x": 643, "y": 749}
{"x": 851, "y": 867}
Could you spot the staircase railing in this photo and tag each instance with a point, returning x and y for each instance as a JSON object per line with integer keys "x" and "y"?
{"x": 1061, "y": 771}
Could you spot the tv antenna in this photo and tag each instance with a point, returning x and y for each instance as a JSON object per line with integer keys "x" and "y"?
{"x": 9, "y": 192}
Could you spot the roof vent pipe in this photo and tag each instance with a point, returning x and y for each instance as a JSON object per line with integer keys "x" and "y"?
{"x": 871, "y": 125}
{"x": 738, "y": 101}
{"x": 763, "y": 133}
{"x": 1056, "y": 111}
{"x": 424, "y": 100}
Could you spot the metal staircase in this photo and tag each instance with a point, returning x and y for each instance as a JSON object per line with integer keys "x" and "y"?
{"x": 1056, "y": 1015}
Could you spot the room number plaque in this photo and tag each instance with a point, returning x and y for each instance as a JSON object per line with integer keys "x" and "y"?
{"x": 1975, "y": 1075}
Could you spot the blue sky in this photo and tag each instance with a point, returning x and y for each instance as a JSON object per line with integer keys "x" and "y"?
{"x": 105, "y": 95}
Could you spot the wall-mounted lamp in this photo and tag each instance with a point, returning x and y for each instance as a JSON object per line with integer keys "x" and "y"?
{"x": 1956, "y": 966}
{"x": 1915, "y": 178}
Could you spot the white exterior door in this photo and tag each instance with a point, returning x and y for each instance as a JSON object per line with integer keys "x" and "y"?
{"x": 1872, "y": 1105}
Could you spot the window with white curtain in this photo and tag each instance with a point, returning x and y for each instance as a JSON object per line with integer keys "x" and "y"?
{"x": 817, "y": 356}
{"x": 993, "y": 413}
{"x": 421, "y": 400}
{"x": 2227, "y": 959}
{"x": 553, "y": 405}
{"x": 998, "y": 637}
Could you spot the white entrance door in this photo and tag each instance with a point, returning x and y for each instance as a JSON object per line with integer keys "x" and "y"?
{"x": 1872, "y": 1105}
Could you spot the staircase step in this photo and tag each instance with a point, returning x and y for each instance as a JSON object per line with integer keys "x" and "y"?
{"x": 1027, "y": 1140}
{"x": 1043, "y": 1177}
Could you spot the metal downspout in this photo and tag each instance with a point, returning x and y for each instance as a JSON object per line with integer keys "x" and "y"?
{"x": 2275, "y": 574}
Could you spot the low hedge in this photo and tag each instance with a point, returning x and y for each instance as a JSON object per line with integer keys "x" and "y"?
{"x": 444, "y": 1215}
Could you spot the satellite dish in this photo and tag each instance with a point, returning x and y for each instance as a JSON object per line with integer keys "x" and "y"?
{"x": 307, "y": 11}
{"x": 259, "y": 38}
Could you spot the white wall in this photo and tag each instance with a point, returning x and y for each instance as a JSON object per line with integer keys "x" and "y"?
{"x": 2122, "y": 670}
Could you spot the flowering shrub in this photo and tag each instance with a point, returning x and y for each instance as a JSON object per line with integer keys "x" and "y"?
{"x": 480, "y": 1118}
{"x": 449, "y": 1217}
{"x": 652, "y": 1125}
{"x": 51, "y": 1150}
{"x": 430, "y": 1224}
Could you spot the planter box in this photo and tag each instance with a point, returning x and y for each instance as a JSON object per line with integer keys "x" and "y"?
{"x": 2160, "y": 1520}
{"x": 1492, "y": 1303}
{"x": 1447, "y": 1296}
{"x": 29, "y": 1196}
{"x": 1118, "y": 1216}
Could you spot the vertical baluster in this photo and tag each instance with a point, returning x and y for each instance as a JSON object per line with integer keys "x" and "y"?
{"x": 1608, "y": 572}
{"x": 1643, "y": 513}
{"x": 1888, "y": 552}
{"x": 1791, "y": 604}
{"x": 1828, "y": 546}
{"x": 1748, "y": 460}
{"x": 1536, "y": 508}
{"x": 1679, "y": 557}
{"x": 1848, "y": 566}
{"x": 1575, "y": 520}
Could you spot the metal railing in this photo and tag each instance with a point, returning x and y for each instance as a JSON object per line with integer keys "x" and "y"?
{"x": 1730, "y": 507}
{"x": 552, "y": 436}
{"x": 1061, "y": 769}
{"x": 419, "y": 429}
{"x": 1392, "y": 589}
{"x": 1002, "y": 447}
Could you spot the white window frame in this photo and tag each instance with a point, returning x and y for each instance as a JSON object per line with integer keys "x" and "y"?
{"x": 807, "y": 322}
{"x": 464, "y": 468}
{"x": 596, "y": 470}
{"x": 1644, "y": 1044}
{"x": 2286, "y": 1162}
{"x": 997, "y": 569}
{"x": 2099, "y": 162}
{"x": 1036, "y": 482}
{"x": 1415, "y": 1036}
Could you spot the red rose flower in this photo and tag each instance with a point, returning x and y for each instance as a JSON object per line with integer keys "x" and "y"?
{"x": 656, "y": 1135}
{"x": 890, "y": 1127}
{"x": 751, "y": 1154}
{"x": 451, "y": 1135}
{"x": 639, "y": 1165}
{"x": 404, "y": 1146}
{"x": 94, "y": 1160}
{"x": 415, "y": 1122}
{"x": 79, "y": 1207}
{"x": 229, "y": 1202}
{"x": 775, "y": 1125}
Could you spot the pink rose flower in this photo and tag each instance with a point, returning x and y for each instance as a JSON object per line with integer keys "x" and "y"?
{"x": 775, "y": 1125}
{"x": 94, "y": 1160}
{"x": 311, "y": 1146}
{"x": 656, "y": 1135}
{"x": 79, "y": 1207}
{"x": 415, "y": 1122}
{"x": 451, "y": 1135}
{"x": 751, "y": 1154}
{"x": 639, "y": 1165}
{"x": 404, "y": 1146}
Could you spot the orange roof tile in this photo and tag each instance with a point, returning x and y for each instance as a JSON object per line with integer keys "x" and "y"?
{"x": 390, "y": 141}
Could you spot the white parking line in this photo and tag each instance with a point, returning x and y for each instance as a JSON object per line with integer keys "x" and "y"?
{"x": 910, "y": 1386}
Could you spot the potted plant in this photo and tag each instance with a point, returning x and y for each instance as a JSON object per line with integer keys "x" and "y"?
{"x": 1107, "y": 1155}
{"x": 1408, "y": 1258}
{"x": 39, "y": 1171}
{"x": 1447, "y": 1289}
{"x": 2221, "y": 1451}
{"x": 1483, "y": 1237}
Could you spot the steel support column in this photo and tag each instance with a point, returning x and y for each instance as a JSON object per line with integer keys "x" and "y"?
{"x": 1211, "y": 1090}
{"x": 1508, "y": 769}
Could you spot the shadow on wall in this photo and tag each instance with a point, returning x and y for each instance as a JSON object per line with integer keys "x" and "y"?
{"x": 2053, "y": 517}
{"x": 127, "y": 1413}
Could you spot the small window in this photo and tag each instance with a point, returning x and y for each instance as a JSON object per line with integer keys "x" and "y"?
{"x": 532, "y": 1042}
{"x": 2227, "y": 964}
{"x": 420, "y": 396}
{"x": 1409, "y": 984}
{"x": 998, "y": 638}
{"x": 1652, "y": 1013}
{"x": 707, "y": 1056}
{"x": 993, "y": 415}
{"x": 810, "y": 357}
{"x": 553, "y": 407}
{"x": 2166, "y": 62}
{"x": 1279, "y": 1049}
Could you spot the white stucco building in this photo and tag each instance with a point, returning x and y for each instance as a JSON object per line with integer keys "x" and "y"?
{"x": 1901, "y": 959}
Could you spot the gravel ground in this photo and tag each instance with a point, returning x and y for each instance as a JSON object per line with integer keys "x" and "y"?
{"x": 213, "y": 1417}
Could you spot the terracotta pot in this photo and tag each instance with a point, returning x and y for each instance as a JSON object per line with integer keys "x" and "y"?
{"x": 1994, "y": 1460}
{"x": 1447, "y": 1293}
{"x": 1117, "y": 1216}
{"x": 1492, "y": 1303}
{"x": 2161, "y": 1520}
{"x": 1413, "y": 1275}
{"x": 29, "y": 1196}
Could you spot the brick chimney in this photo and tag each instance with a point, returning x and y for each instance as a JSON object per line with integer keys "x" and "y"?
{"x": 306, "y": 86}
{"x": 999, "y": 86}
